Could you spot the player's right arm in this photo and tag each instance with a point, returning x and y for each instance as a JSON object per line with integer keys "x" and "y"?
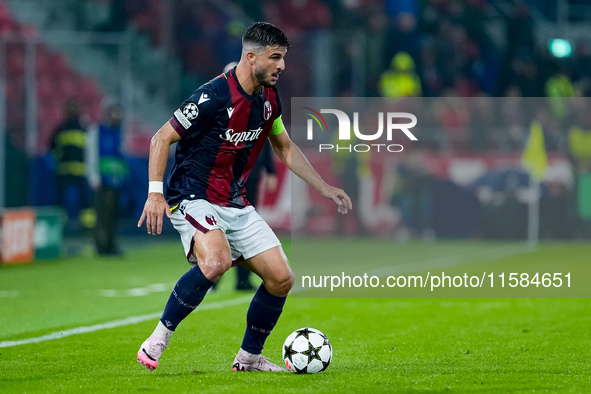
{"x": 295, "y": 160}
{"x": 156, "y": 206}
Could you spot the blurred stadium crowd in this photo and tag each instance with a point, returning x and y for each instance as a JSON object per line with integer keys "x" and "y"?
{"x": 428, "y": 48}
{"x": 454, "y": 50}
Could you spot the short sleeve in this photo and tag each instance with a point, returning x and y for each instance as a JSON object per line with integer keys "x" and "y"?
{"x": 195, "y": 113}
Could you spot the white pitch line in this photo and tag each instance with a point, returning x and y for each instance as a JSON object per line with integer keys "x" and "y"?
{"x": 119, "y": 323}
{"x": 136, "y": 292}
{"x": 9, "y": 294}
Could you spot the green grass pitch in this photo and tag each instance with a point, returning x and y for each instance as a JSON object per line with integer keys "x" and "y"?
{"x": 379, "y": 344}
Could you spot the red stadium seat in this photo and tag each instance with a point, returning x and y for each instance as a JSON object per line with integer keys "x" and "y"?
{"x": 42, "y": 61}
{"x": 28, "y": 31}
{"x": 87, "y": 87}
{"x": 60, "y": 66}
{"x": 4, "y": 12}
{"x": 15, "y": 63}
{"x": 15, "y": 89}
{"x": 7, "y": 25}
{"x": 56, "y": 81}
{"x": 45, "y": 89}
{"x": 66, "y": 86}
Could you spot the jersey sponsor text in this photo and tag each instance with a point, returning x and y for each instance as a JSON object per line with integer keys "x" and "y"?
{"x": 237, "y": 137}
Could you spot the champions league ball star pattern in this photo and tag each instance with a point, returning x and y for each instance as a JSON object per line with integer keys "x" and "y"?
{"x": 307, "y": 350}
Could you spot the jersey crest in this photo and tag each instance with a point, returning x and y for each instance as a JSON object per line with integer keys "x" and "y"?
{"x": 267, "y": 110}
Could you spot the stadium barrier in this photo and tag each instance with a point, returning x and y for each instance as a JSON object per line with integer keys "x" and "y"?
{"x": 30, "y": 233}
{"x": 461, "y": 185}
{"x": 18, "y": 229}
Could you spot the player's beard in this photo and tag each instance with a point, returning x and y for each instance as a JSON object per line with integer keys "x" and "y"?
{"x": 263, "y": 78}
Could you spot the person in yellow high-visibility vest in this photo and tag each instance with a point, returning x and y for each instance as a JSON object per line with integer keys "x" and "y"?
{"x": 68, "y": 145}
{"x": 401, "y": 79}
{"x": 579, "y": 146}
{"x": 557, "y": 88}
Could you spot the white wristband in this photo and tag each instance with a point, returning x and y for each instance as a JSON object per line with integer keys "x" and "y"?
{"x": 156, "y": 187}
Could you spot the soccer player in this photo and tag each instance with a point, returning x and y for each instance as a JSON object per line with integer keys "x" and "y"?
{"x": 220, "y": 131}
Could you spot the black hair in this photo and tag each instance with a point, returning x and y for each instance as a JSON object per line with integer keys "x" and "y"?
{"x": 72, "y": 107}
{"x": 265, "y": 34}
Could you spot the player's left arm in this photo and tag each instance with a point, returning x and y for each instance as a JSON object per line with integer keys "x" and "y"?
{"x": 291, "y": 155}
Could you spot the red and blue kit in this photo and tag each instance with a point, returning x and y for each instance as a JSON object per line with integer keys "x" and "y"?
{"x": 223, "y": 130}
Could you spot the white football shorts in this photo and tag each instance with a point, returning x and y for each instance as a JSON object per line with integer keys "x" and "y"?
{"x": 246, "y": 231}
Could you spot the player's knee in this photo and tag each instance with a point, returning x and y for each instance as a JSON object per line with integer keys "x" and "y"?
{"x": 281, "y": 284}
{"x": 213, "y": 267}
{"x": 289, "y": 282}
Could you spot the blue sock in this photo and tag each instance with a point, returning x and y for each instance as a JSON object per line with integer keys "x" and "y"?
{"x": 263, "y": 313}
{"x": 185, "y": 297}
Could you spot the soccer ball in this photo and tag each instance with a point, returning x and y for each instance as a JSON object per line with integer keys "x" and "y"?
{"x": 307, "y": 350}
